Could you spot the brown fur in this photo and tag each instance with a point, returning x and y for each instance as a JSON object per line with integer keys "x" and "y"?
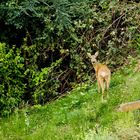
{"x": 129, "y": 106}
{"x": 103, "y": 76}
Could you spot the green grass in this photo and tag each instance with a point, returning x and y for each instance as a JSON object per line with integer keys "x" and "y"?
{"x": 80, "y": 115}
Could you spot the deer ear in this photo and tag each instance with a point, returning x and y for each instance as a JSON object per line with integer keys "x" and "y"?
{"x": 89, "y": 55}
{"x": 96, "y": 54}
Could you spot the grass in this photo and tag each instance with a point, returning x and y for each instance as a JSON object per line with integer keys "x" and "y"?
{"x": 80, "y": 115}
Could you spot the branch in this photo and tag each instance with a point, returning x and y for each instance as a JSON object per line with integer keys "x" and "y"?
{"x": 113, "y": 23}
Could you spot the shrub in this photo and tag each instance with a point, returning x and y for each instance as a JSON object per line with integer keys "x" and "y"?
{"x": 11, "y": 78}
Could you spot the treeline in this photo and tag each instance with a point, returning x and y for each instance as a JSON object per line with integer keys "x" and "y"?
{"x": 44, "y": 44}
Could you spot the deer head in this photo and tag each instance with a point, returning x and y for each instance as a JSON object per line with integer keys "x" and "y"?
{"x": 93, "y": 57}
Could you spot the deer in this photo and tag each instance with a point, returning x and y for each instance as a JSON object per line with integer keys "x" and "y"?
{"x": 103, "y": 74}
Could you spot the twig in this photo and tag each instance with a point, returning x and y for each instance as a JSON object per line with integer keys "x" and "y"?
{"x": 28, "y": 34}
{"x": 113, "y": 23}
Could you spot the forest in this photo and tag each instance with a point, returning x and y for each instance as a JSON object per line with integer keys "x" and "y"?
{"x": 43, "y": 53}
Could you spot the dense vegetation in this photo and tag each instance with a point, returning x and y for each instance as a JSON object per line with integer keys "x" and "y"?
{"x": 81, "y": 115}
{"x": 44, "y": 44}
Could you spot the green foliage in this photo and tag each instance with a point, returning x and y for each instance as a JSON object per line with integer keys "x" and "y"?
{"x": 11, "y": 78}
{"x": 45, "y": 83}
{"x": 59, "y": 33}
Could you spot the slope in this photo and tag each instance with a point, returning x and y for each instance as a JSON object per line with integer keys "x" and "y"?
{"x": 80, "y": 115}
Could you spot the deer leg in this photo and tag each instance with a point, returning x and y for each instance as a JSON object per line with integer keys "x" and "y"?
{"x": 107, "y": 84}
{"x": 98, "y": 86}
{"x": 98, "y": 82}
{"x": 102, "y": 87}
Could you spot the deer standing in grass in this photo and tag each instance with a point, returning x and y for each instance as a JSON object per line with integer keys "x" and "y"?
{"x": 103, "y": 73}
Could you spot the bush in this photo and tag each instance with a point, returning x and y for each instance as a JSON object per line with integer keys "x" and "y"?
{"x": 11, "y": 78}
